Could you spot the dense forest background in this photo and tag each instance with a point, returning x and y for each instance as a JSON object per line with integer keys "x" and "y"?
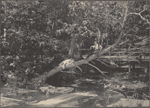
{"x": 37, "y": 35}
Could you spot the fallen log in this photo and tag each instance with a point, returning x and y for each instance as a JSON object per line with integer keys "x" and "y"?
{"x": 85, "y": 61}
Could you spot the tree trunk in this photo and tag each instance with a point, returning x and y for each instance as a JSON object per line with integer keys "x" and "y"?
{"x": 5, "y": 19}
{"x": 71, "y": 51}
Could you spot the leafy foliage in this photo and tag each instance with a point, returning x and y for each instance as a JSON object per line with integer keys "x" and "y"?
{"x": 39, "y": 33}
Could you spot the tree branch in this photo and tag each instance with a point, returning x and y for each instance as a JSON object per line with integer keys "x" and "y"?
{"x": 102, "y": 72}
{"x": 79, "y": 68}
{"x": 139, "y": 14}
{"x": 102, "y": 62}
{"x": 92, "y": 57}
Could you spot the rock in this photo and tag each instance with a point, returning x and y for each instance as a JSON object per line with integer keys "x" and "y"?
{"x": 130, "y": 103}
{"x": 74, "y": 85}
{"x": 19, "y": 90}
{"x": 98, "y": 105}
{"x": 9, "y": 101}
{"x": 52, "y": 90}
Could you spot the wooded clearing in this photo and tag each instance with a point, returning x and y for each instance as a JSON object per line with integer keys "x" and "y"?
{"x": 54, "y": 43}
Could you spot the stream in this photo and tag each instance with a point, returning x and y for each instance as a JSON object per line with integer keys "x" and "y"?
{"x": 86, "y": 92}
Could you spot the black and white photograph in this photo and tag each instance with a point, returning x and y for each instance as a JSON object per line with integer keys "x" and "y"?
{"x": 69, "y": 53}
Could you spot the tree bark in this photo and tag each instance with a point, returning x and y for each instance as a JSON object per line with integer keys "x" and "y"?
{"x": 71, "y": 51}
{"x": 5, "y": 19}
